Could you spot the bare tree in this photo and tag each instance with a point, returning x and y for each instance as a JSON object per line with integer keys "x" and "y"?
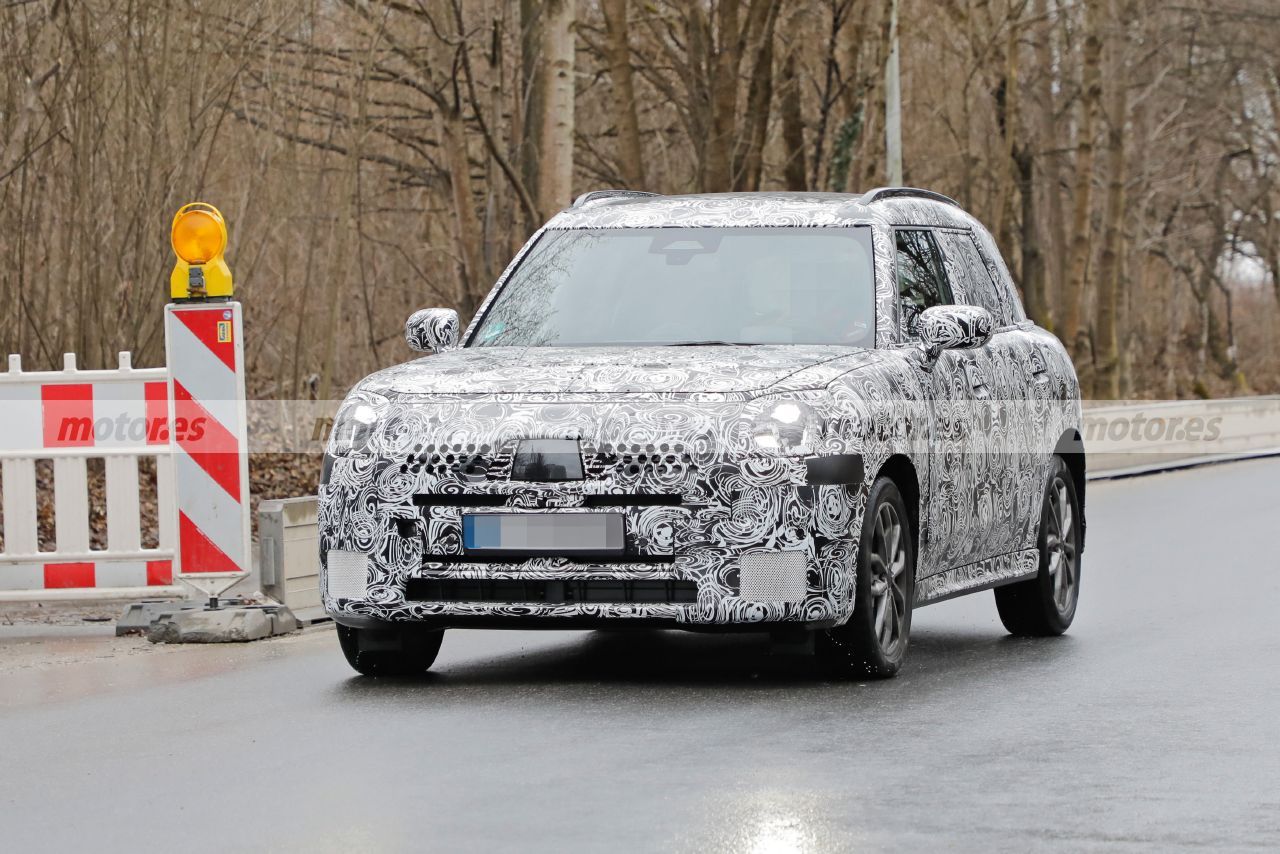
{"x": 376, "y": 156}
{"x": 555, "y": 178}
{"x": 630, "y": 156}
{"x": 1081, "y": 218}
{"x": 1106, "y": 381}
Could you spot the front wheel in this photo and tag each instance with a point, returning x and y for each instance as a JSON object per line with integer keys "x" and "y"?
{"x": 873, "y": 643}
{"x": 1046, "y": 605}
{"x": 391, "y": 651}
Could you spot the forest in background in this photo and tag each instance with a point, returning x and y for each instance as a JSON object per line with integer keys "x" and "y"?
{"x": 377, "y": 156}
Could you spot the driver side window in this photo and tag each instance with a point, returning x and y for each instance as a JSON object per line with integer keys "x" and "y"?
{"x": 921, "y": 281}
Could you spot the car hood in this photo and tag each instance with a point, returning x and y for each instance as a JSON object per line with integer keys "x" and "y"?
{"x": 716, "y": 369}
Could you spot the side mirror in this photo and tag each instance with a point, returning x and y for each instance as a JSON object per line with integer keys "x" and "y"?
{"x": 954, "y": 327}
{"x": 432, "y": 330}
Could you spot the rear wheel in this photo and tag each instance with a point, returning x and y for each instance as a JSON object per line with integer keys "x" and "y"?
{"x": 392, "y": 651}
{"x": 873, "y": 643}
{"x": 1046, "y": 604}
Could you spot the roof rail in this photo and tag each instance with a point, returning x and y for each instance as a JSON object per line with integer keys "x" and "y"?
{"x": 597, "y": 195}
{"x": 904, "y": 192}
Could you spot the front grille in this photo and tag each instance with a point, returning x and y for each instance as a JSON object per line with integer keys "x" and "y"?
{"x": 631, "y": 462}
{"x": 472, "y": 463}
{"x": 511, "y": 591}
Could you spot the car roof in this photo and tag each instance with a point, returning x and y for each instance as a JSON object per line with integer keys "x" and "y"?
{"x": 889, "y": 206}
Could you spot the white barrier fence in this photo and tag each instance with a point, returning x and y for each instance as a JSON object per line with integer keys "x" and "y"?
{"x": 72, "y": 418}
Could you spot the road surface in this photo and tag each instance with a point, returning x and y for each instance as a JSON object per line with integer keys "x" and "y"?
{"x": 1153, "y": 725}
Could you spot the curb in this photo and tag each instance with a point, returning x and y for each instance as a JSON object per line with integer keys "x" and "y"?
{"x": 1176, "y": 465}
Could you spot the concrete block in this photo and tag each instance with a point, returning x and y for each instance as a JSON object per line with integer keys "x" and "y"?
{"x": 138, "y": 616}
{"x": 222, "y": 625}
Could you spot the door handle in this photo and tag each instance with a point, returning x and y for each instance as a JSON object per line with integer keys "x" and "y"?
{"x": 1037, "y": 367}
{"x": 983, "y": 415}
{"x": 977, "y": 378}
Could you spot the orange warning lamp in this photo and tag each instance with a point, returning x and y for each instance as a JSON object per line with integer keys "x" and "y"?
{"x": 199, "y": 237}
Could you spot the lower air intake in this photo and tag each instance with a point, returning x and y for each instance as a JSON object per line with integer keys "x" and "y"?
{"x": 347, "y": 574}
{"x": 772, "y": 577}
{"x": 570, "y": 592}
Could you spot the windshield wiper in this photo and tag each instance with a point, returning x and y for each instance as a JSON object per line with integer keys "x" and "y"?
{"x": 708, "y": 344}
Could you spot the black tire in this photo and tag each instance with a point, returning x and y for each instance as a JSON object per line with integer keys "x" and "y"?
{"x": 856, "y": 650}
{"x": 392, "y": 651}
{"x": 1037, "y": 607}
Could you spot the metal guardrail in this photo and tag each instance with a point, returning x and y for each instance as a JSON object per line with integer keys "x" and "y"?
{"x": 1128, "y": 439}
{"x": 1134, "y": 437}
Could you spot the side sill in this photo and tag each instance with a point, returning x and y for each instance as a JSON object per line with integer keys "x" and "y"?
{"x": 972, "y": 578}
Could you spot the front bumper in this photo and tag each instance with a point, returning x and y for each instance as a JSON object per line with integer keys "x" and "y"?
{"x": 689, "y": 524}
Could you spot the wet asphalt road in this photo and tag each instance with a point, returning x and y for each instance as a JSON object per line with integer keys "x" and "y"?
{"x": 1153, "y": 725}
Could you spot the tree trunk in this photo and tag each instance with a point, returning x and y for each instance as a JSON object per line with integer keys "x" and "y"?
{"x": 498, "y": 208}
{"x": 466, "y": 222}
{"x": 555, "y": 178}
{"x": 1053, "y": 221}
{"x": 873, "y": 133}
{"x": 1032, "y": 261}
{"x": 793, "y": 173}
{"x": 533, "y": 95}
{"x": 1110, "y": 264}
{"x": 724, "y": 99}
{"x": 1172, "y": 333}
{"x": 827, "y": 97}
{"x": 1270, "y": 243}
{"x": 1204, "y": 315}
{"x": 749, "y": 152}
{"x": 1130, "y": 282}
{"x": 856, "y": 51}
{"x": 630, "y": 157}
{"x": 1081, "y": 219}
{"x": 1021, "y": 158}
{"x": 1008, "y": 104}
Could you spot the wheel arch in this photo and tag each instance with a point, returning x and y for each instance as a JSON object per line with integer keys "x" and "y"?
{"x": 1071, "y": 448}
{"x": 902, "y": 472}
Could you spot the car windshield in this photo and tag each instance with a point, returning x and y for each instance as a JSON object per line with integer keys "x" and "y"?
{"x": 690, "y": 286}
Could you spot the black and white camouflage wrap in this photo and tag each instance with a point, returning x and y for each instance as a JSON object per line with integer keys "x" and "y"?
{"x": 978, "y": 427}
{"x": 430, "y": 330}
{"x": 956, "y": 326}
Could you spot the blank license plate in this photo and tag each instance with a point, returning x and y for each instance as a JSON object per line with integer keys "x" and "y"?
{"x": 545, "y": 533}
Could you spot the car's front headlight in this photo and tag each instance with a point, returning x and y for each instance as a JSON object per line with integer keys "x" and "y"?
{"x": 786, "y": 428}
{"x": 354, "y": 426}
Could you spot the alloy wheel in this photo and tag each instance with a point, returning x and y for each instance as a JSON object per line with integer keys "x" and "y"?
{"x": 888, "y": 564}
{"x": 1060, "y": 544}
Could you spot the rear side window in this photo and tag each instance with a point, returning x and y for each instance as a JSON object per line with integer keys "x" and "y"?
{"x": 969, "y": 275}
{"x": 922, "y": 282}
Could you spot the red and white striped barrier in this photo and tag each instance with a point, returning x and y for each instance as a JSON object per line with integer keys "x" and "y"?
{"x": 207, "y": 410}
{"x": 191, "y": 416}
{"x": 69, "y": 417}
